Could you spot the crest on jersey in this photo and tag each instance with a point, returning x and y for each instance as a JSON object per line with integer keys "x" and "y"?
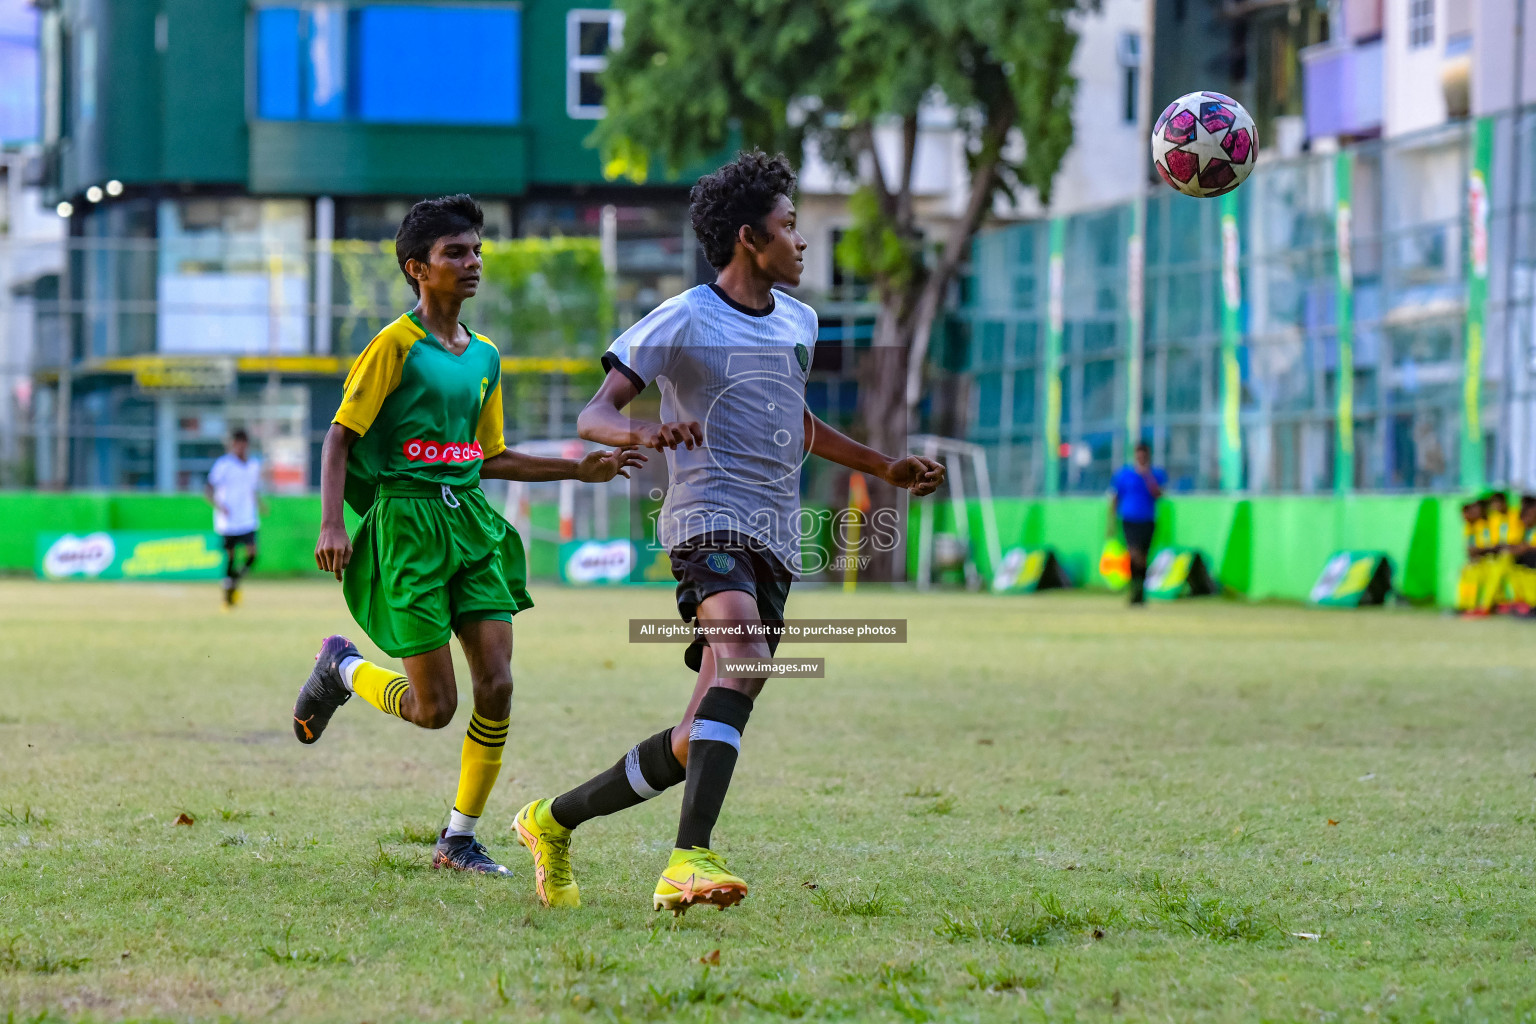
{"x": 802, "y": 355}
{"x": 485, "y": 382}
{"x": 721, "y": 562}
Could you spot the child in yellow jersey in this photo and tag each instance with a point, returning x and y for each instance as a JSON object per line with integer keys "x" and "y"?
{"x": 1503, "y": 530}
{"x": 1523, "y": 573}
{"x": 1469, "y": 587}
{"x": 419, "y": 426}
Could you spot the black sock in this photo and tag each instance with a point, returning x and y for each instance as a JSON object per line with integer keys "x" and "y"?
{"x": 250, "y": 560}
{"x": 649, "y": 768}
{"x": 1138, "y": 581}
{"x": 713, "y": 745}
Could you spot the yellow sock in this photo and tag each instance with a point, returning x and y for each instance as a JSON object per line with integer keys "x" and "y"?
{"x": 382, "y": 687}
{"x": 479, "y": 764}
{"x": 1467, "y": 588}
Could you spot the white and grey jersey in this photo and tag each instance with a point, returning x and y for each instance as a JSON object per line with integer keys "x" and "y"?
{"x": 741, "y": 374}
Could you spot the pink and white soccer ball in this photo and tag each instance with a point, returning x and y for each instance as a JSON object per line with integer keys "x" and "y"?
{"x": 1204, "y": 144}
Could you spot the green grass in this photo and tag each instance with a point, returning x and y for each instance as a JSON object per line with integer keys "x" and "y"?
{"x": 1043, "y": 808}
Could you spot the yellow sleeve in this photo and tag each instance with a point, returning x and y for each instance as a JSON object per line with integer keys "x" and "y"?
{"x": 489, "y": 430}
{"x": 374, "y": 375}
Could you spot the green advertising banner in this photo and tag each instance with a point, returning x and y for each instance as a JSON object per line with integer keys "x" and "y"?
{"x": 1231, "y": 337}
{"x": 1179, "y": 572}
{"x": 130, "y": 555}
{"x": 1135, "y": 319}
{"x": 1344, "y": 412}
{"x": 1479, "y": 202}
{"x": 1353, "y": 578}
{"x": 1024, "y": 572}
{"x": 1055, "y": 318}
{"x": 604, "y": 562}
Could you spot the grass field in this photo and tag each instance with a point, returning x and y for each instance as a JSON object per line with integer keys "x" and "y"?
{"x": 1039, "y": 808}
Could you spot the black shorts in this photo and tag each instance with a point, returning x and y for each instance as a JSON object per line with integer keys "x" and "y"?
{"x": 1138, "y": 536}
{"x": 716, "y": 562}
{"x": 234, "y": 540}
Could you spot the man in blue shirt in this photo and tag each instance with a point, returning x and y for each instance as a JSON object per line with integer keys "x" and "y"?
{"x": 1135, "y": 490}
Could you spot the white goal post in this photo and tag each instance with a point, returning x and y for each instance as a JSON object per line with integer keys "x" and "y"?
{"x": 953, "y": 455}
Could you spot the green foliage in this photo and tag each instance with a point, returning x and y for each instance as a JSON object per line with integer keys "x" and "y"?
{"x": 1214, "y": 917}
{"x": 846, "y": 903}
{"x": 13, "y": 958}
{"x": 552, "y": 295}
{"x": 416, "y": 835}
{"x": 285, "y": 952}
{"x": 25, "y": 817}
{"x": 694, "y": 74}
{"x": 540, "y": 297}
{"x": 872, "y": 249}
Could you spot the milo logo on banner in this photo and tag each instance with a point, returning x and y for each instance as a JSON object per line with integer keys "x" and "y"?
{"x": 87, "y": 556}
{"x": 597, "y": 561}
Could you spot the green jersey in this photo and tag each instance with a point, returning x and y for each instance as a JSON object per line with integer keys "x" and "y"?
{"x": 424, "y": 415}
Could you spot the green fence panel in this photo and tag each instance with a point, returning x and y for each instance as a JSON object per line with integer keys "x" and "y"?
{"x": 1210, "y": 525}
{"x": 1075, "y": 527}
{"x": 1400, "y": 526}
{"x": 1292, "y": 538}
{"x": 160, "y": 512}
{"x": 25, "y": 514}
{"x": 1451, "y": 554}
{"x": 1268, "y": 547}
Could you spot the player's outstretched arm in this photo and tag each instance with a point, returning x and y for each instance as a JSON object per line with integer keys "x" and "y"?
{"x": 334, "y": 548}
{"x": 593, "y": 468}
{"x": 913, "y": 473}
{"x": 604, "y": 421}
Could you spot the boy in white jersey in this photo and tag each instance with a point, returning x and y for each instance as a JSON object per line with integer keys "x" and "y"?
{"x": 731, "y": 359}
{"x": 234, "y": 491}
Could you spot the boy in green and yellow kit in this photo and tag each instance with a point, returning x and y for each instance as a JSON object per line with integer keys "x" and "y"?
{"x": 420, "y": 424}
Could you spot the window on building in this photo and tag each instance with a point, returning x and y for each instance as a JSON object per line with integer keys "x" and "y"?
{"x": 1129, "y": 52}
{"x": 1421, "y": 23}
{"x": 337, "y": 61}
{"x": 589, "y": 36}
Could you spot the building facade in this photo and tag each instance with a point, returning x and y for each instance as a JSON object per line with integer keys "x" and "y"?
{"x": 230, "y": 175}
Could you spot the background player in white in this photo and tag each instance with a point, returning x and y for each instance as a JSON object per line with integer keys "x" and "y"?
{"x": 234, "y": 491}
{"x": 731, "y": 359}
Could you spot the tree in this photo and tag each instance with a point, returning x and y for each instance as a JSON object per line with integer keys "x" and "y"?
{"x": 694, "y": 76}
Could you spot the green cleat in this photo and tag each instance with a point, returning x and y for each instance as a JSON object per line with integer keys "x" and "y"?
{"x": 550, "y": 844}
{"x": 697, "y": 876}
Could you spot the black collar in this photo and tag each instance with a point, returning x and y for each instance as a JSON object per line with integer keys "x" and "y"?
{"x": 738, "y": 307}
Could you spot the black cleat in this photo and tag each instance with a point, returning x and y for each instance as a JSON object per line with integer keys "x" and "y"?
{"x": 464, "y": 853}
{"x": 323, "y": 692}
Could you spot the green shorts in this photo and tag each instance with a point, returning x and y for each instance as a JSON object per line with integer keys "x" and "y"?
{"x": 422, "y": 566}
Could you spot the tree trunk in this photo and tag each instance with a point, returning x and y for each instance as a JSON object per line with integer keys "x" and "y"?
{"x": 891, "y": 370}
{"x": 882, "y": 411}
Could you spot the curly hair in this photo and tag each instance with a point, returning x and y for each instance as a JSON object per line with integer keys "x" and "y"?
{"x": 430, "y": 220}
{"x": 744, "y": 191}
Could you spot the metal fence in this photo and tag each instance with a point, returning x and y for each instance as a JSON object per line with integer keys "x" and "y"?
{"x": 124, "y": 362}
{"x": 1220, "y": 330}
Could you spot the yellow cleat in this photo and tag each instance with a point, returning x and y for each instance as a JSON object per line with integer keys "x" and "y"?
{"x": 550, "y": 844}
{"x": 697, "y": 876}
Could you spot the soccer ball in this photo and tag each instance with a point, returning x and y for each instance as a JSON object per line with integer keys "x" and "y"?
{"x": 1204, "y": 144}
